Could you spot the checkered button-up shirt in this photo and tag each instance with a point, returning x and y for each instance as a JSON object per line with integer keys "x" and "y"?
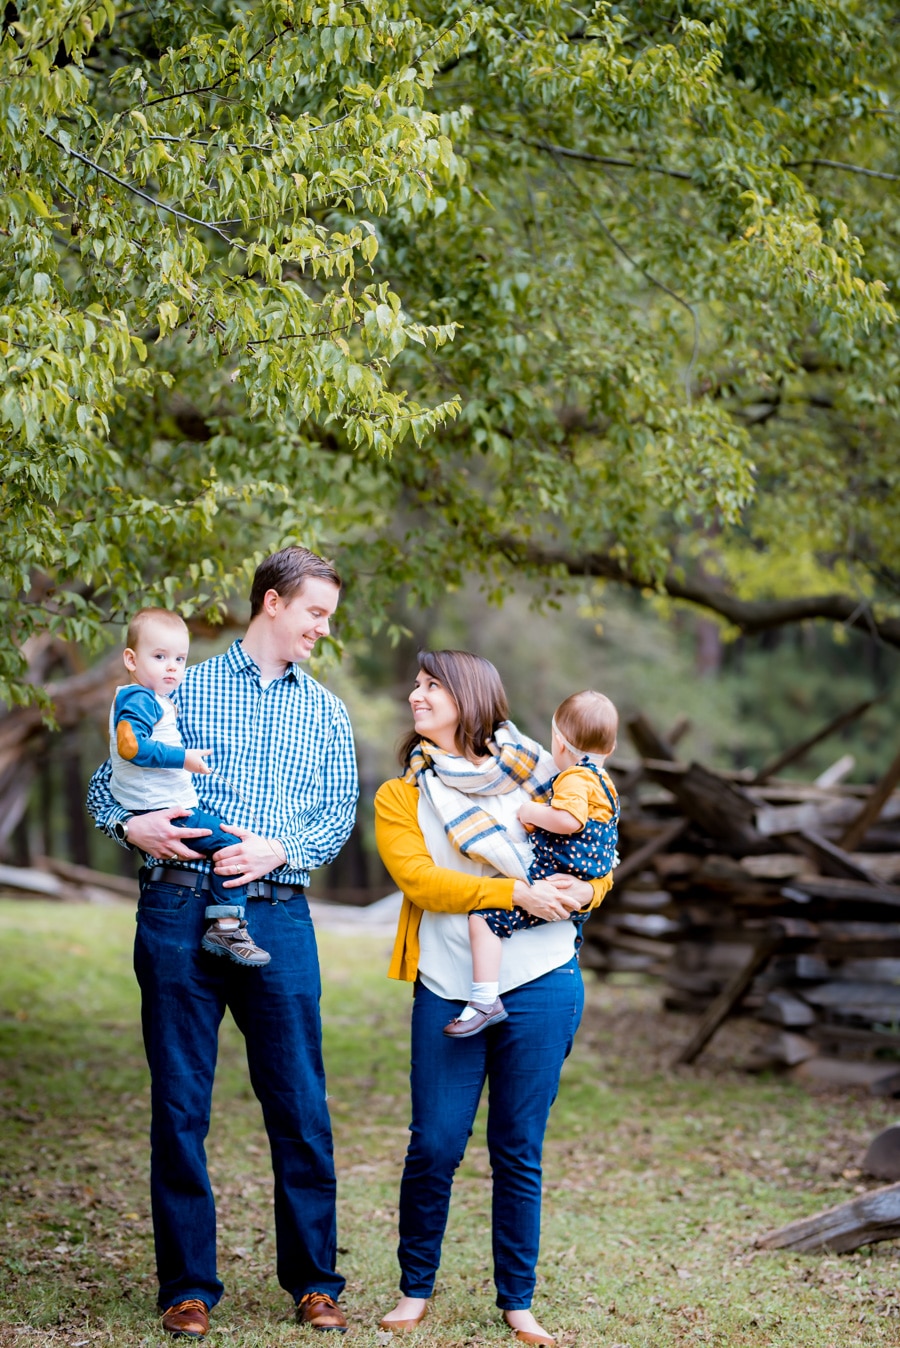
{"x": 282, "y": 759}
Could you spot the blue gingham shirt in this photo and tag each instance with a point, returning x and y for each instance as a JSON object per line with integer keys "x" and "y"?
{"x": 282, "y": 759}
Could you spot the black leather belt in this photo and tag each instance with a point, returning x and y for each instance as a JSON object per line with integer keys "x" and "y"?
{"x": 180, "y": 875}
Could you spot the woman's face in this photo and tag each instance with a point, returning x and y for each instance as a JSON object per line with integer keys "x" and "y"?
{"x": 435, "y": 714}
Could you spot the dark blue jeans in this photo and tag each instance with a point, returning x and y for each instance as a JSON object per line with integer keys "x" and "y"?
{"x": 521, "y": 1059}
{"x": 184, "y": 996}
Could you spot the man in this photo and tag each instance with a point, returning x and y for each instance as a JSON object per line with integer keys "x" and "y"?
{"x": 284, "y": 778}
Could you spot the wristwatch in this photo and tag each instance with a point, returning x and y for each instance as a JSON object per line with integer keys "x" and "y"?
{"x": 120, "y": 829}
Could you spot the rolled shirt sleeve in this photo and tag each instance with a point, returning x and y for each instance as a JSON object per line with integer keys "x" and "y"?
{"x": 102, "y": 807}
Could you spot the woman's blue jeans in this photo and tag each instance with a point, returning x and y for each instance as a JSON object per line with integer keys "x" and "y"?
{"x": 184, "y": 996}
{"x": 521, "y": 1059}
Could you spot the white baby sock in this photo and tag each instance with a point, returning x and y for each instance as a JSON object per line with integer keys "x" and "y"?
{"x": 485, "y": 994}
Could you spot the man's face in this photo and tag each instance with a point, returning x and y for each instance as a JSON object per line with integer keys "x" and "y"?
{"x": 159, "y": 660}
{"x": 300, "y": 621}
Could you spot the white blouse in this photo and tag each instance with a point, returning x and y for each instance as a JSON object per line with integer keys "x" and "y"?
{"x": 445, "y": 958}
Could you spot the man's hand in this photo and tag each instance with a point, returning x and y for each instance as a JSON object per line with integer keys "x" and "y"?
{"x": 153, "y": 833}
{"x": 194, "y": 760}
{"x": 546, "y": 898}
{"x": 250, "y": 859}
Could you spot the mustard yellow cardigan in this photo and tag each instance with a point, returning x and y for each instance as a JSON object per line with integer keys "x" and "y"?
{"x": 425, "y": 885}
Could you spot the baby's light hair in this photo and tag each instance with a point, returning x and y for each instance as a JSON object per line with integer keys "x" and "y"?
{"x": 588, "y": 721}
{"x": 146, "y": 615}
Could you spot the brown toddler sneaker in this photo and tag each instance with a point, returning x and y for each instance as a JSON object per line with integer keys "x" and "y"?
{"x": 237, "y": 945}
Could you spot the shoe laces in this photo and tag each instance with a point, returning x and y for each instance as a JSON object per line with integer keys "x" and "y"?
{"x": 310, "y": 1298}
{"x": 194, "y": 1304}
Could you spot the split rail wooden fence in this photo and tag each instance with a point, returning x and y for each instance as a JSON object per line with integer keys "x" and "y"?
{"x": 773, "y": 897}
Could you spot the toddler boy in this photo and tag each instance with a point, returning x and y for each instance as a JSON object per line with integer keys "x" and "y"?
{"x": 151, "y": 769}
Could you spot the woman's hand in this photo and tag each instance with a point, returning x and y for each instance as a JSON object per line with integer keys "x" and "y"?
{"x": 546, "y": 899}
{"x": 580, "y": 890}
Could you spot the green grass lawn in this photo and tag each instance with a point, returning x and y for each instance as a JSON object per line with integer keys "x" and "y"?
{"x": 656, "y": 1181}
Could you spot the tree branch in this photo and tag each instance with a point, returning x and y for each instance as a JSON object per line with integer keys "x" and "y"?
{"x": 249, "y": 148}
{"x": 209, "y": 88}
{"x": 611, "y": 161}
{"x": 298, "y": 336}
{"x": 145, "y": 196}
{"x": 607, "y": 160}
{"x": 654, "y": 280}
{"x": 750, "y": 616}
{"x": 847, "y": 168}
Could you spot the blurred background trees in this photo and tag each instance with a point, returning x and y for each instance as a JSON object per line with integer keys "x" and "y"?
{"x": 480, "y": 304}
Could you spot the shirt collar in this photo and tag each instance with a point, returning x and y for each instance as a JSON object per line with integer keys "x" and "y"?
{"x": 239, "y": 662}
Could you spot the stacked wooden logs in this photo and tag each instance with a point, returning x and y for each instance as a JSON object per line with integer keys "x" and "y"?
{"x": 773, "y": 897}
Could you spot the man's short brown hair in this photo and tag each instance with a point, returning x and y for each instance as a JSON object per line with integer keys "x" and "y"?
{"x": 285, "y": 573}
{"x": 145, "y": 615}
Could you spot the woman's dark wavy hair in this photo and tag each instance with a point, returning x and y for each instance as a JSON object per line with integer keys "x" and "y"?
{"x": 478, "y": 692}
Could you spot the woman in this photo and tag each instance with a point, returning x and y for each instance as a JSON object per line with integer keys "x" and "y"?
{"x": 448, "y": 832}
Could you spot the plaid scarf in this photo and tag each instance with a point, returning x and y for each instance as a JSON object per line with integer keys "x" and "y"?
{"x": 450, "y": 783}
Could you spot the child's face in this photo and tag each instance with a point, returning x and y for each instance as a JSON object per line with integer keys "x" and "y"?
{"x": 160, "y": 659}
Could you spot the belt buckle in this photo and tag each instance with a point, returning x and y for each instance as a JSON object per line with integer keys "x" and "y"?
{"x": 269, "y": 889}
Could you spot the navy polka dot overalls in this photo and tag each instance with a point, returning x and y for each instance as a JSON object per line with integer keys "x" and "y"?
{"x": 588, "y": 855}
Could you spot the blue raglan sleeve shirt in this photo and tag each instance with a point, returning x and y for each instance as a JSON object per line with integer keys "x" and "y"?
{"x": 140, "y": 709}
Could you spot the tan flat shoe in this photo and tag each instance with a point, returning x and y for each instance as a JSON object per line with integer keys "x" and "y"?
{"x": 404, "y": 1326}
{"x": 526, "y": 1336}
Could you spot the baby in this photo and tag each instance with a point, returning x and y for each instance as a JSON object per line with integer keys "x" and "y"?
{"x": 576, "y": 834}
{"x": 151, "y": 769}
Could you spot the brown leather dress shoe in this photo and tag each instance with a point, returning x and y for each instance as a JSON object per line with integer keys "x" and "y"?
{"x": 404, "y": 1326}
{"x": 321, "y": 1311}
{"x": 186, "y": 1319}
{"x": 484, "y": 1016}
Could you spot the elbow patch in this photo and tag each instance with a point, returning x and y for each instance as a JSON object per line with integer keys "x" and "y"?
{"x": 126, "y": 742}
